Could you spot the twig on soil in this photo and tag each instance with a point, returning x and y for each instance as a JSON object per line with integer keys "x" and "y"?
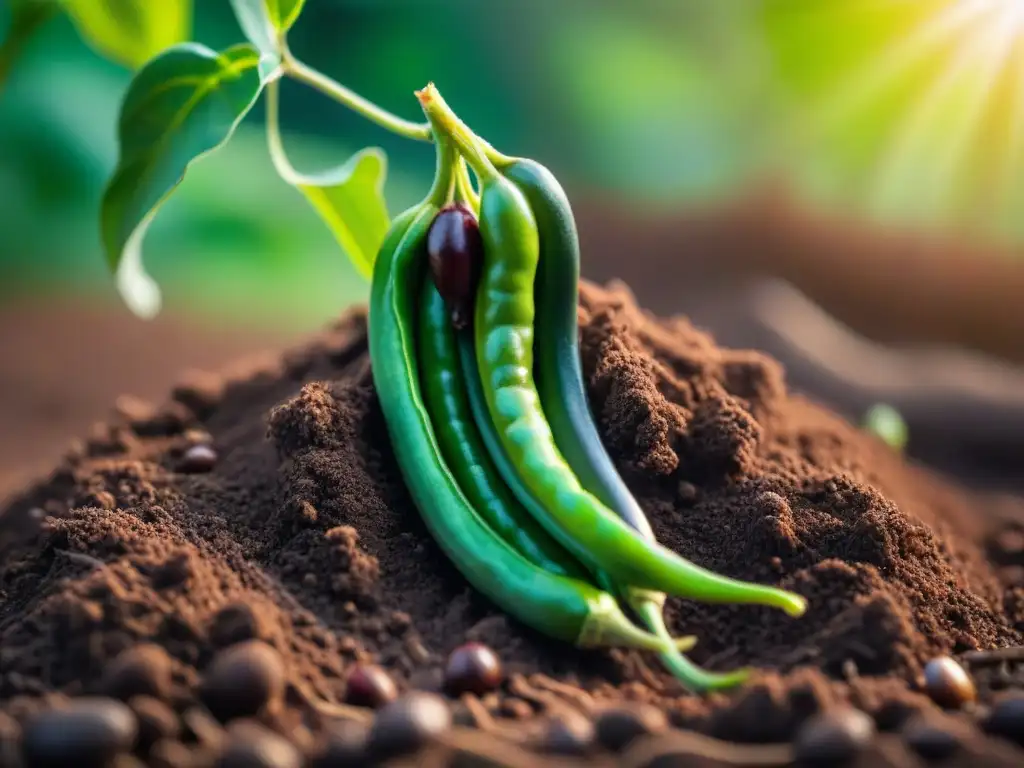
{"x": 81, "y": 558}
{"x": 329, "y": 709}
{"x": 693, "y": 744}
{"x": 580, "y": 698}
{"x": 993, "y": 656}
{"x": 551, "y": 702}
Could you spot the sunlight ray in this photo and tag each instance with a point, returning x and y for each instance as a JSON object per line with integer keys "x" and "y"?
{"x": 904, "y": 155}
{"x": 957, "y": 140}
{"x": 861, "y": 88}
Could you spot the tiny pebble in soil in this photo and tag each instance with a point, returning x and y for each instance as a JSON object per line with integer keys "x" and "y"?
{"x": 87, "y": 732}
{"x": 931, "y": 740}
{"x": 198, "y": 458}
{"x": 242, "y": 680}
{"x": 948, "y": 684}
{"x": 617, "y": 727}
{"x": 833, "y": 738}
{"x": 144, "y": 670}
{"x": 1007, "y": 718}
{"x": 344, "y": 743}
{"x": 369, "y": 686}
{"x": 569, "y": 734}
{"x": 406, "y": 724}
{"x": 472, "y": 668}
{"x": 250, "y": 745}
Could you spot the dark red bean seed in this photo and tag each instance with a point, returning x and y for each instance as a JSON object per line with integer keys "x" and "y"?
{"x": 369, "y": 686}
{"x": 455, "y": 250}
{"x": 472, "y": 668}
{"x": 242, "y": 680}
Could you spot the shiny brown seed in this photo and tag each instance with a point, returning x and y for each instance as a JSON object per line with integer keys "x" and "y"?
{"x": 250, "y": 745}
{"x": 198, "y": 458}
{"x": 455, "y": 250}
{"x": 369, "y": 686}
{"x": 472, "y": 668}
{"x": 243, "y": 680}
{"x": 87, "y": 732}
{"x": 833, "y": 738}
{"x": 948, "y": 683}
{"x": 144, "y": 670}
{"x": 406, "y": 724}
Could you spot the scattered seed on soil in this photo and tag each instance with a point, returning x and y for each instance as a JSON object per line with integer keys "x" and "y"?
{"x": 87, "y": 733}
{"x": 948, "y": 684}
{"x": 344, "y": 743}
{"x": 931, "y": 740}
{"x": 156, "y": 721}
{"x": 833, "y": 738}
{"x": 1006, "y": 719}
{"x": 197, "y": 459}
{"x": 242, "y": 680}
{"x": 406, "y": 724}
{"x": 472, "y": 668}
{"x": 569, "y": 734}
{"x": 894, "y": 560}
{"x": 617, "y": 727}
{"x": 234, "y": 623}
{"x": 369, "y": 686}
{"x": 250, "y": 745}
{"x": 144, "y": 670}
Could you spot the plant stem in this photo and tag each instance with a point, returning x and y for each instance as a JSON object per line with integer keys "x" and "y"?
{"x": 443, "y": 119}
{"x": 275, "y": 143}
{"x": 22, "y": 27}
{"x": 464, "y": 185}
{"x": 321, "y": 82}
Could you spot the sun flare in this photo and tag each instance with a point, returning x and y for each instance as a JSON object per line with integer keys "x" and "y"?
{"x": 954, "y": 147}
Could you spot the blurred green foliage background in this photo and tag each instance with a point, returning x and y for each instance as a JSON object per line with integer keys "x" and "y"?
{"x": 904, "y": 111}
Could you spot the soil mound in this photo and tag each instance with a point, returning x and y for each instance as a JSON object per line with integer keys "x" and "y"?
{"x": 295, "y": 530}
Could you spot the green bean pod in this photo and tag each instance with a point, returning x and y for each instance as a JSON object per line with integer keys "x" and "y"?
{"x": 462, "y": 446}
{"x": 562, "y": 608}
{"x": 563, "y": 395}
{"x": 504, "y": 336}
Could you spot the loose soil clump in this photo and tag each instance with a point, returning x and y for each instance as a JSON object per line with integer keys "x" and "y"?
{"x": 222, "y": 563}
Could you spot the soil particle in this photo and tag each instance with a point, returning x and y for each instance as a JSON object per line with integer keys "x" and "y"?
{"x": 301, "y": 541}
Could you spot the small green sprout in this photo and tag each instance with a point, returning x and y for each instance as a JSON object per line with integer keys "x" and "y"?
{"x": 886, "y": 423}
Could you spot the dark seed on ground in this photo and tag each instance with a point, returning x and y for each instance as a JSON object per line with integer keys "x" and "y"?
{"x": 406, "y": 724}
{"x": 1007, "y": 719}
{"x": 948, "y": 683}
{"x": 833, "y": 738}
{"x": 250, "y": 745}
{"x": 617, "y": 727}
{"x": 472, "y": 668}
{"x": 87, "y": 732}
{"x": 198, "y": 458}
{"x": 242, "y": 680}
{"x": 569, "y": 734}
{"x": 234, "y": 623}
{"x": 369, "y": 686}
{"x": 930, "y": 739}
{"x": 156, "y": 721}
{"x": 343, "y": 744}
{"x": 144, "y": 670}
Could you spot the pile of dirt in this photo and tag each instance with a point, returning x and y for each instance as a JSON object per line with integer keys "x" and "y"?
{"x": 296, "y": 531}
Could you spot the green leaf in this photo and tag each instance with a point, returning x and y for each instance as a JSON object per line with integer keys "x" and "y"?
{"x": 284, "y": 13}
{"x": 350, "y": 200}
{"x": 131, "y": 32}
{"x": 264, "y": 22}
{"x": 182, "y": 105}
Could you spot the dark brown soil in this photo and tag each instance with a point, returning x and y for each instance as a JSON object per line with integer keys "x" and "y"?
{"x": 303, "y": 537}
